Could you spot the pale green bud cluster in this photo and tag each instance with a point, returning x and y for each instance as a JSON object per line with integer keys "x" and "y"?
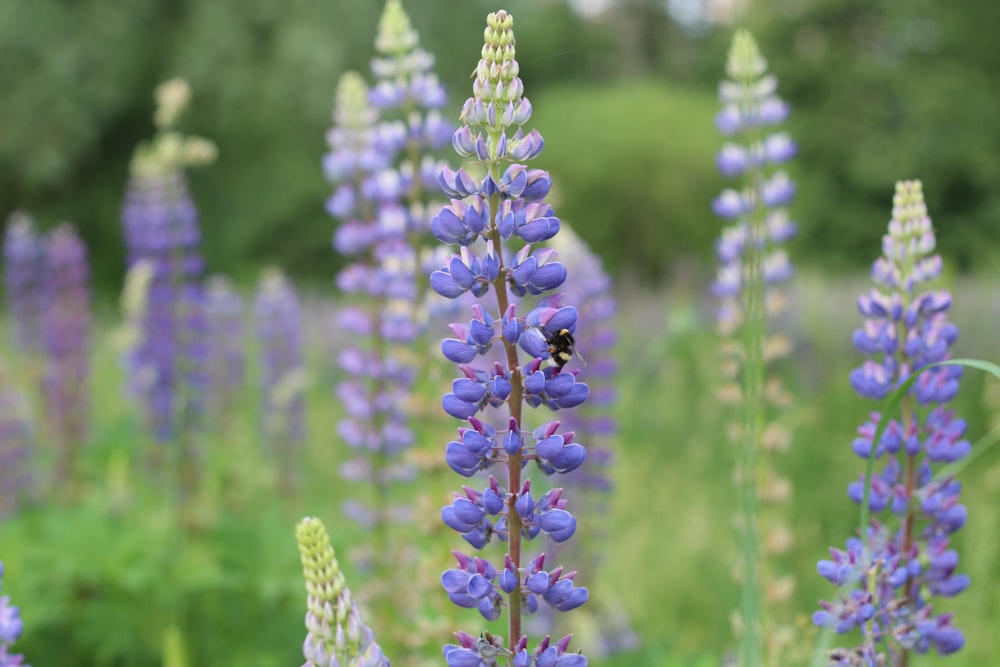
{"x": 907, "y": 250}
{"x": 170, "y": 151}
{"x": 396, "y": 34}
{"x": 496, "y": 74}
{"x": 745, "y": 60}
{"x": 910, "y": 231}
{"x": 352, "y": 112}
{"x": 336, "y": 633}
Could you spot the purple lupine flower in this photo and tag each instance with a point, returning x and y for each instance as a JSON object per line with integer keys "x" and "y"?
{"x": 279, "y": 328}
{"x": 24, "y": 276}
{"x": 10, "y": 629}
{"x": 66, "y": 336}
{"x": 498, "y": 222}
{"x": 17, "y": 447}
{"x": 167, "y": 365}
{"x": 889, "y": 580}
{"x": 226, "y": 355}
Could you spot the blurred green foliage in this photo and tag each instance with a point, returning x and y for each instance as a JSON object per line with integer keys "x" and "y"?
{"x": 632, "y": 169}
{"x": 881, "y": 90}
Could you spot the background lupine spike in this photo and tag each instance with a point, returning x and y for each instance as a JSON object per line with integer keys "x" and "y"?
{"x": 161, "y": 226}
{"x": 890, "y": 576}
{"x": 66, "y": 325}
{"x": 371, "y": 231}
{"x": 753, "y": 268}
{"x": 24, "y": 280}
{"x": 336, "y": 635}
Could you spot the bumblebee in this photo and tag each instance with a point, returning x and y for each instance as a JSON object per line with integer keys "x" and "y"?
{"x": 561, "y": 346}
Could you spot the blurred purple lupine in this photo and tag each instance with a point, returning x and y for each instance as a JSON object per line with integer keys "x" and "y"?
{"x": 24, "y": 278}
{"x": 409, "y": 97}
{"x": 749, "y": 286}
{"x": 380, "y": 289}
{"x": 889, "y": 576}
{"x": 66, "y": 335}
{"x": 758, "y": 208}
{"x": 279, "y": 328}
{"x": 10, "y": 629}
{"x": 167, "y": 366}
{"x": 591, "y": 287}
{"x": 226, "y": 355}
{"x": 506, "y": 207}
{"x": 17, "y": 447}
{"x": 411, "y": 129}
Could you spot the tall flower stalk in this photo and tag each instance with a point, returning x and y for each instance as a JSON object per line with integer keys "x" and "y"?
{"x": 167, "y": 364}
{"x": 890, "y": 575}
{"x": 490, "y": 217}
{"x": 753, "y": 266}
{"x": 66, "y": 336}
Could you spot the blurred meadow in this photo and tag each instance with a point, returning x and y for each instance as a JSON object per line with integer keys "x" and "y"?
{"x": 114, "y": 566}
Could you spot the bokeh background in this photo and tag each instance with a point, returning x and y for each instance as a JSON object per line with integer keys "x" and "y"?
{"x": 624, "y": 93}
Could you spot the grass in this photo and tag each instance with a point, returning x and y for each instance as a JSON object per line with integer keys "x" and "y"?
{"x": 108, "y": 578}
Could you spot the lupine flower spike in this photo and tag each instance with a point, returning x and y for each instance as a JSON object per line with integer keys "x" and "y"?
{"x": 409, "y": 97}
{"x": 66, "y": 337}
{"x": 161, "y": 227}
{"x": 379, "y": 373}
{"x": 753, "y": 267}
{"x": 890, "y": 576}
{"x": 488, "y": 219}
{"x": 10, "y": 629}
{"x": 24, "y": 273}
{"x": 336, "y": 635}
{"x": 394, "y": 198}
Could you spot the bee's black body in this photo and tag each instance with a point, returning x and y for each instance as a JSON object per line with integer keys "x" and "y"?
{"x": 561, "y": 347}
